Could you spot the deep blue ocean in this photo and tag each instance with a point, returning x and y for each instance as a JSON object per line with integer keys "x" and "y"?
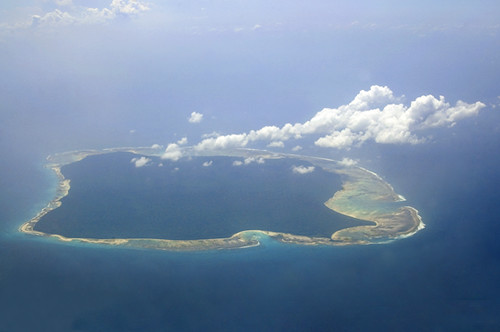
{"x": 445, "y": 278}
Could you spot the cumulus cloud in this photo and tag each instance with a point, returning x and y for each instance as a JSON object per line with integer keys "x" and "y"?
{"x": 302, "y": 169}
{"x": 88, "y": 15}
{"x": 347, "y": 162}
{"x": 223, "y": 142}
{"x": 140, "y": 162}
{"x": 172, "y": 152}
{"x": 338, "y": 139}
{"x": 156, "y": 146}
{"x": 195, "y": 117}
{"x": 211, "y": 135}
{"x": 248, "y": 161}
{"x": 56, "y": 17}
{"x": 208, "y": 163}
{"x": 276, "y": 144}
{"x": 182, "y": 141}
{"x": 297, "y": 148}
{"x": 128, "y": 7}
{"x": 373, "y": 115}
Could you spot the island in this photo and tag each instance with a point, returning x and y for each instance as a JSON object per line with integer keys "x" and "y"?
{"x": 378, "y": 213}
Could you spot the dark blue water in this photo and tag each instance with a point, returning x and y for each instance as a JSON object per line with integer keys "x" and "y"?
{"x": 185, "y": 200}
{"x": 445, "y": 278}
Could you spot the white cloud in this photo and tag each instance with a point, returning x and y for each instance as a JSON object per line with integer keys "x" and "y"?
{"x": 207, "y": 163}
{"x": 424, "y": 109}
{"x": 276, "y": 144}
{"x": 195, "y": 117}
{"x": 172, "y": 152}
{"x": 156, "y": 146}
{"x": 374, "y": 115}
{"x": 297, "y": 148}
{"x": 211, "y": 135}
{"x": 338, "y": 139}
{"x": 182, "y": 141}
{"x": 248, "y": 161}
{"x": 302, "y": 169}
{"x": 88, "y": 15}
{"x": 273, "y": 133}
{"x": 223, "y": 142}
{"x": 56, "y": 17}
{"x": 128, "y": 7}
{"x": 347, "y": 162}
{"x": 376, "y": 97}
{"x": 140, "y": 162}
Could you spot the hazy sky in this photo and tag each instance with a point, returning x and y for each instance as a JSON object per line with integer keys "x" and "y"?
{"x": 342, "y": 74}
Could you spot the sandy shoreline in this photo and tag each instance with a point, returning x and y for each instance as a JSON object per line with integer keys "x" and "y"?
{"x": 351, "y": 200}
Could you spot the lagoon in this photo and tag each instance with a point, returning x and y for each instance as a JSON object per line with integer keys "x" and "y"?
{"x": 184, "y": 200}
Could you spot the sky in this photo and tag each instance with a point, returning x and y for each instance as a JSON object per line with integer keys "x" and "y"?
{"x": 322, "y": 77}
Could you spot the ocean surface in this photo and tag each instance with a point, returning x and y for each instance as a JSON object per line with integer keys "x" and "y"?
{"x": 445, "y": 278}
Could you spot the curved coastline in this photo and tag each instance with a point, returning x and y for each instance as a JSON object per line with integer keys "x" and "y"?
{"x": 365, "y": 195}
